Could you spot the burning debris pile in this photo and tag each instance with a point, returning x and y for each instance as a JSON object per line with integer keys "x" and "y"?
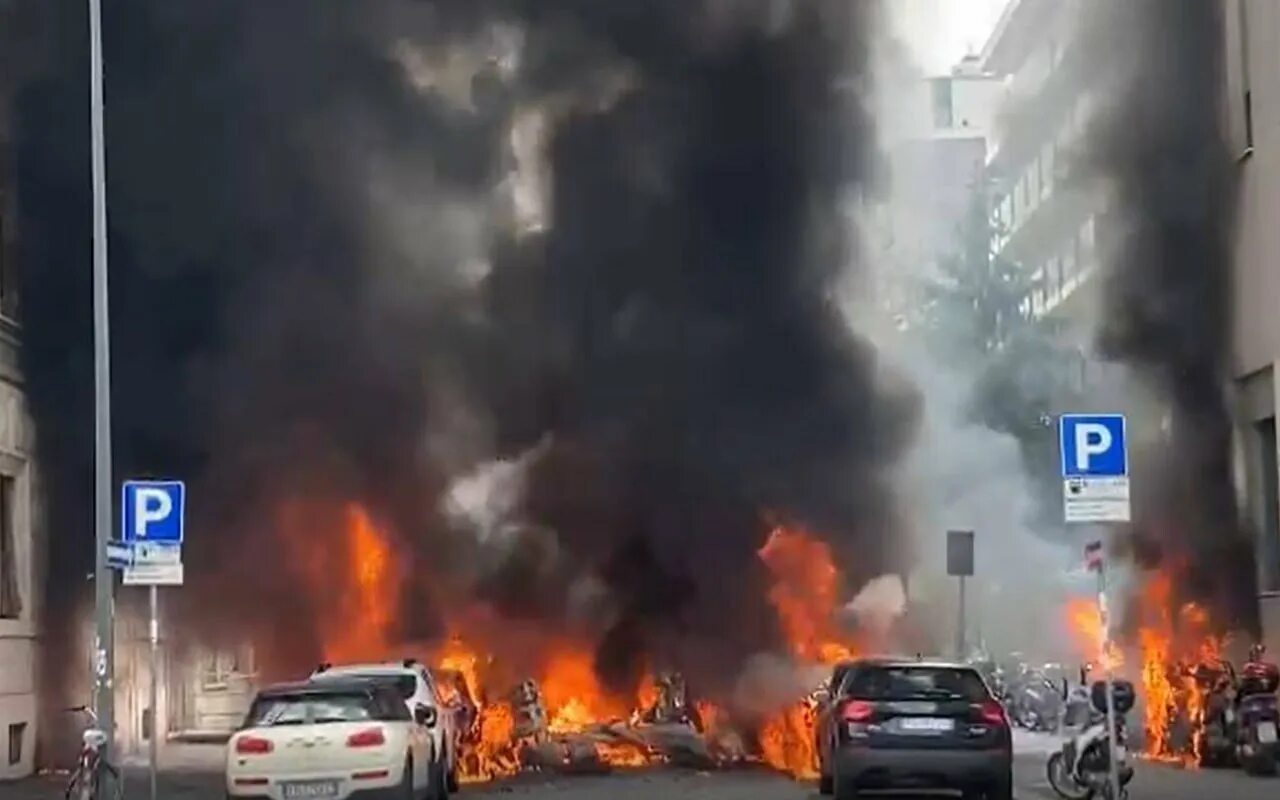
{"x": 532, "y": 699}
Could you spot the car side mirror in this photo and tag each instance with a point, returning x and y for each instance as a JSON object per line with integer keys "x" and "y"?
{"x": 425, "y": 716}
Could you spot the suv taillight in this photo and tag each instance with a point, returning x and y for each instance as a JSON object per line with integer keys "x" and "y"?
{"x": 857, "y": 711}
{"x": 252, "y": 746}
{"x": 370, "y": 737}
{"x": 992, "y": 713}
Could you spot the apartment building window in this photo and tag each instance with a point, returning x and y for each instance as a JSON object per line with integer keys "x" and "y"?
{"x": 10, "y": 597}
{"x": 943, "y": 112}
{"x": 17, "y": 732}
{"x": 1269, "y": 518}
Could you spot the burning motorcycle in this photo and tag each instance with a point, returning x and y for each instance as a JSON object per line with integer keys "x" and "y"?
{"x": 1257, "y": 715}
{"x": 1081, "y": 770}
{"x": 1216, "y": 729}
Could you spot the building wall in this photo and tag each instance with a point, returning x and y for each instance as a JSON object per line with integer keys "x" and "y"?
{"x": 22, "y": 545}
{"x": 19, "y": 632}
{"x": 1253, "y": 122}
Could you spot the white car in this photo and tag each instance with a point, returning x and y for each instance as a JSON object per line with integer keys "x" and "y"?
{"x": 332, "y": 740}
{"x": 417, "y": 687}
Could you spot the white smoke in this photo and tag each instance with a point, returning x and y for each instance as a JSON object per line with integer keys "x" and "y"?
{"x": 486, "y": 501}
{"x": 879, "y": 604}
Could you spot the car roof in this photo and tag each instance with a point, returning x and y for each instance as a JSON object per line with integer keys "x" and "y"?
{"x": 328, "y": 686}
{"x": 385, "y": 668}
{"x": 913, "y": 662}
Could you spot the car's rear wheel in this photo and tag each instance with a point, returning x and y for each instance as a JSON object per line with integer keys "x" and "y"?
{"x": 845, "y": 789}
{"x": 440, "y": 781}
{"x": 451, "y": 781}
{"x": 406, "y": 781}
{"x": 1001, "y": 790}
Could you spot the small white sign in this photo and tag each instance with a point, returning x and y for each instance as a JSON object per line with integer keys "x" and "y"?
{"x": 154, "y": 575}
{"x": 156, "y": 553}
{"x": 1091, "y": 499}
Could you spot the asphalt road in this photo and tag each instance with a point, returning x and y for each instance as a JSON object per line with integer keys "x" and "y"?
{"x": 196, "y": 779}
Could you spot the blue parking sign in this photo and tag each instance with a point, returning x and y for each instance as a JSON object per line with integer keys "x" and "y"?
{"x": 153, "y": 511}
{"x": 1093, "y": 446}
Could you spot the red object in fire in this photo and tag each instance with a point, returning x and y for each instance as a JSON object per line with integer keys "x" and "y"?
{"x": 252, "y": 746}
{"x": 857, "y": 711}
{"x": 992, "y": 713}
{"x": 370, "y": 737}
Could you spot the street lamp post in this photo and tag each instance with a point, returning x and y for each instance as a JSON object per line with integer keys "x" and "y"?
{"x": 104, "y": 641}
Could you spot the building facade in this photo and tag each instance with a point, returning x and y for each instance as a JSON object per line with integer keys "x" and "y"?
{"x": 21, "y": 552}
{"x": 1253, "y": 123}
{"x": 936, "y": 132}
{"x": 1058, "y": 231}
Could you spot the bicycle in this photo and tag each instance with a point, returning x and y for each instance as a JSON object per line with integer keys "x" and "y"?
{"x": 87, "y": 779}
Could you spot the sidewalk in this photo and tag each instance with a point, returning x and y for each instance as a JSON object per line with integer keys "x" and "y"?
{"x": 187, "y": 772}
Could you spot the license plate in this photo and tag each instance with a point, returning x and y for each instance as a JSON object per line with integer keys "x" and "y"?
{"x": 925, "y": 724}
{"x": 310, "y": 790}
{"x": 1266, "y": 732}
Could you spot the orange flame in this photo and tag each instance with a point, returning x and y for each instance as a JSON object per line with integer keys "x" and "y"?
{"x": 805, "y": 594}
{"x": 1084, "y": 619}
{"x": 1173, "y": 647}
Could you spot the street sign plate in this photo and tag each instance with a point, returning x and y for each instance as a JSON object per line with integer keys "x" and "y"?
{"x": 1095, "y": 468}
{"x": 959, "y": 552}
{"x": 1093, "y": 445}
{"x": 153, "y": 510}
{"x": 119, "y": 555}
{"x": 1095, "y": 499}
{"x": 156, "y": 553}
{"x": 154, "y": 575}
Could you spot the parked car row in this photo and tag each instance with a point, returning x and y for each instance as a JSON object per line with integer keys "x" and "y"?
{"x": 355, "y": 731}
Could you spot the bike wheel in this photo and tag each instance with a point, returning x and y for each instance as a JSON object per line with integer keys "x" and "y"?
{"x": 1063, "y": 783}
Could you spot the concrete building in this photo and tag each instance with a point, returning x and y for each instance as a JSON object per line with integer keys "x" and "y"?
{"x": 21, "y": 551}
{"x": 936, "y": 131}
{"x": 1253, "y": 122}
{"x": 1060, "y": 232}
{"x": 1040, "y": 220}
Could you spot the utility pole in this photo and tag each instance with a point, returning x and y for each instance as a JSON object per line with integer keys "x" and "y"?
{"x": 104, "y": 579}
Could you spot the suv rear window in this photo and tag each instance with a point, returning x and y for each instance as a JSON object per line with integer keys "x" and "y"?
{"x": 405, "y": 685}
{"x": 915, "y": 683}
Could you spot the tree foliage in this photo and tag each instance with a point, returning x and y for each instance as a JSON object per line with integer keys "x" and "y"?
{"x": 976, "y": 311}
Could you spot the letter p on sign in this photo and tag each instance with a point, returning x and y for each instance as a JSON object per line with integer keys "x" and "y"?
{"x": 1092, "y": 440}
{"x": 150, "y": 505}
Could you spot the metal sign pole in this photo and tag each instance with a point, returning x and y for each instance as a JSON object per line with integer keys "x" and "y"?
{"x": 960, "y": 624}
{"x": 1112, "y": 739}
{"x": 104, "y": 657}
{"x": 155, "y": 668}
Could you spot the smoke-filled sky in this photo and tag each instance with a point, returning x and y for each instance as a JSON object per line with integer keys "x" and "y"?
{"x": 321, "y": 293}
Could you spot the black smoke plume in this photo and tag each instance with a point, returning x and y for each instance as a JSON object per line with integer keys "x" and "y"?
{"x": 312, "y": 278}
{"x": 1160, "y": 153}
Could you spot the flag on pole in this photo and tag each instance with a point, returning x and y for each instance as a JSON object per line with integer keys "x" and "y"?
{"x": 1093, "y": 556}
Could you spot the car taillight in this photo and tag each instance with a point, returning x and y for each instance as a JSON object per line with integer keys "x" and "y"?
{"x": 992, "y": 713}
{"x": 252, "y": 745}
{"x": 370, "y": 737}
{"x": 857, "y": 711}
